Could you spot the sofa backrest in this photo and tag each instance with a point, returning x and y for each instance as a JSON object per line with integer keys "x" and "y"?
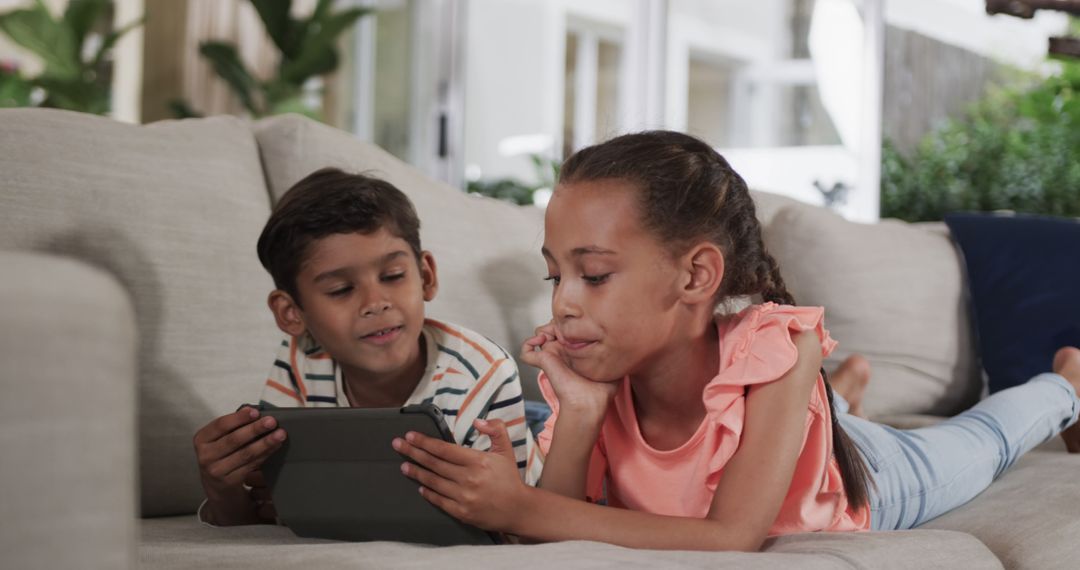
{"x": 173, "y": 211}
{"x": 893, "y": 292}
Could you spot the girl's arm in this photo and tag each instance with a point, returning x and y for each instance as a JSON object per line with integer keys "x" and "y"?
{"x": 582, "y": 406}
{"x": 567, "y": 462}
{"x": 481, "y": 489}
{"x": 756, "y": 479}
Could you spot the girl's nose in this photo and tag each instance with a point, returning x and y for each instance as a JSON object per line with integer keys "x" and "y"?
{"x": 564, "y": 305}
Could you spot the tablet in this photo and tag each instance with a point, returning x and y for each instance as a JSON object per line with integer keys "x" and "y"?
{"x": 337, "y": 477}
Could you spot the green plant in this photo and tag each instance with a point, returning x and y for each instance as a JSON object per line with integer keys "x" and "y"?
{"x": 14, "y": 90}
{"x": 1018, "y": 149}
{"x": 76, "y": 74}
{"x": 515, "y": 190}
{"x": 308, "y": 49}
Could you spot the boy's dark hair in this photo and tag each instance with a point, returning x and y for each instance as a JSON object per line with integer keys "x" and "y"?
{"x": 687, "y": 193}
{"x": 326, "y": 202}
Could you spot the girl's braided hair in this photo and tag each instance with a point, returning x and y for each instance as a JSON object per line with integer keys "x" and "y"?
{"x": 689, "y": 193}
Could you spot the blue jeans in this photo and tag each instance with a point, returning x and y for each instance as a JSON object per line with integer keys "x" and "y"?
{"x": 923, "y": 473}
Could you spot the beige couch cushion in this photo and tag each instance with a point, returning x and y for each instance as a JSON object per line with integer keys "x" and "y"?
{"x": 1030, "y": 517}
{"x": 173, "y": 210}
{"x": 487, "y": 251}
{"x": 67, "y": 418}
{"x": 768, "y": 205}
{"x": 892, "y": 292}
{"x": 184, "y": 543}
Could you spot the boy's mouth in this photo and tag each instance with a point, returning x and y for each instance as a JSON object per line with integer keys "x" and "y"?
{"x": 383, "y": 336}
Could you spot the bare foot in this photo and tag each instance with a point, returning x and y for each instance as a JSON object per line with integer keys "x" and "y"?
{"x": 1067, "y": 363}
{"x": 850, "y": 380}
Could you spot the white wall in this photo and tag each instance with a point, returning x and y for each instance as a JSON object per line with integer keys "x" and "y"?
{"x": 513, "y": 79}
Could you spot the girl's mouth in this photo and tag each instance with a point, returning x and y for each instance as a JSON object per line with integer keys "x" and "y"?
{"x": 575, "y": 345}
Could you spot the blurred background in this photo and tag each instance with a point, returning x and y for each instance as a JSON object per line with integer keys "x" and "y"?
{"x": 876, "y": 108}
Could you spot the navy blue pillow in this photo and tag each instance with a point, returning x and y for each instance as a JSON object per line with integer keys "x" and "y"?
{"x": 1024, "y": 276}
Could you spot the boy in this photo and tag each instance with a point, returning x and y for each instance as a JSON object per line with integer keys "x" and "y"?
{"x": 351, "y": 282}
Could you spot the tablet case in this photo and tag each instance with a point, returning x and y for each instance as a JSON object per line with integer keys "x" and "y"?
{"x": 337, "y": 477}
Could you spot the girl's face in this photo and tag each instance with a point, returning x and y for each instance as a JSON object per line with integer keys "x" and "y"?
{"x": 615, "y": 297}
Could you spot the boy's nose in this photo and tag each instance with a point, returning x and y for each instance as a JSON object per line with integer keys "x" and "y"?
{"x": 376, "y": 308}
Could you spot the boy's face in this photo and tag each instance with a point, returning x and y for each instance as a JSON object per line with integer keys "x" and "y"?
{"x": 362, "y": 299}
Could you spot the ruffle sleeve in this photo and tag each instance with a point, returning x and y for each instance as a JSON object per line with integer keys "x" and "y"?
{"x": 544, "y": 439}
{"x": 756, "y": 347}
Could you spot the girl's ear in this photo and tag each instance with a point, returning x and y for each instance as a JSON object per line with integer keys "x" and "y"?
{"x": 703, "y": 270}
{"x": 287, "y": 313}
{"x": 429, "y": 275}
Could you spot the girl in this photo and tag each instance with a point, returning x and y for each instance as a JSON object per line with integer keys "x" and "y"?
{"x": 711, "y": 431}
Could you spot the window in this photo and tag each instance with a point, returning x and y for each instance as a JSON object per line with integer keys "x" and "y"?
{"x": 786, "y": 90}
{"x": 591, "y": 86}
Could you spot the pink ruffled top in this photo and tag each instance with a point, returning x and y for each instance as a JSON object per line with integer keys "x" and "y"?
{"x": 755, "y": 347}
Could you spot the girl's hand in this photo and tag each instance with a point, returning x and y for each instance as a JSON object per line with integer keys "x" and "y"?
{"x": 481, "y": 488}
{"x": 577, "y": 394}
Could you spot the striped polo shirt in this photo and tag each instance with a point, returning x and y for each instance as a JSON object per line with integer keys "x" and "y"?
{"x": 467, "y": 376}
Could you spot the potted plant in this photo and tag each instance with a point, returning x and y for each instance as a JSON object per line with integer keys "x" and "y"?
{"x": 77, "y": 71}
{"x": 308, "y": 49}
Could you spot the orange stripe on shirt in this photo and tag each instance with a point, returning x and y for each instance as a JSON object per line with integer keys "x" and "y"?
{"x": 296, "y": 369}
{"x": 283, "y": 390}
{"x": 515, "y": 421}
{"x": 454, "y": 333}
{"x": 479, "y": 386}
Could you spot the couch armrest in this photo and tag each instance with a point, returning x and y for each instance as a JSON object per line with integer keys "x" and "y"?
{"x": 67, "y": 415}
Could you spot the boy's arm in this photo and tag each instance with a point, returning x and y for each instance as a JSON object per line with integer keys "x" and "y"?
{"x": 230, "y": 450}
{"x": 228, "y": 502}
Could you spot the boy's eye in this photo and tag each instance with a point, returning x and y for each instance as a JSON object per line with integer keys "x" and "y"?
{"x": 595, "y": 279}
{"x": 394, "y": 277}
{"x": 341, "y": 292}
{"x": 553, "y": 278}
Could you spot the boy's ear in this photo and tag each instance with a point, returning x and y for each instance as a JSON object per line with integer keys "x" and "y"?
{"x": 287, "y": 313}
{"x": 703, "y": 271}
{"x": 429, "y": 275}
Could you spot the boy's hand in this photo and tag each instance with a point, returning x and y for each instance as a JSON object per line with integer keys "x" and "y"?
{"x": 260, "y": 493}
{"x": 481, "y": 488}
{"x": 231, "y": 447}
{"x": 576, "y": 394}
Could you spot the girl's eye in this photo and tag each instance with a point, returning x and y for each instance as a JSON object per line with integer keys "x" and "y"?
{"x": 394, "y": 277}
{"x": 341, "y": 292}
{"x": 596, "y": 279}
{"x": 553, "y": 278}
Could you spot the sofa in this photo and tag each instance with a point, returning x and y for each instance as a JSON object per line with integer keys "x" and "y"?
{"x": 134, "y": 312}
